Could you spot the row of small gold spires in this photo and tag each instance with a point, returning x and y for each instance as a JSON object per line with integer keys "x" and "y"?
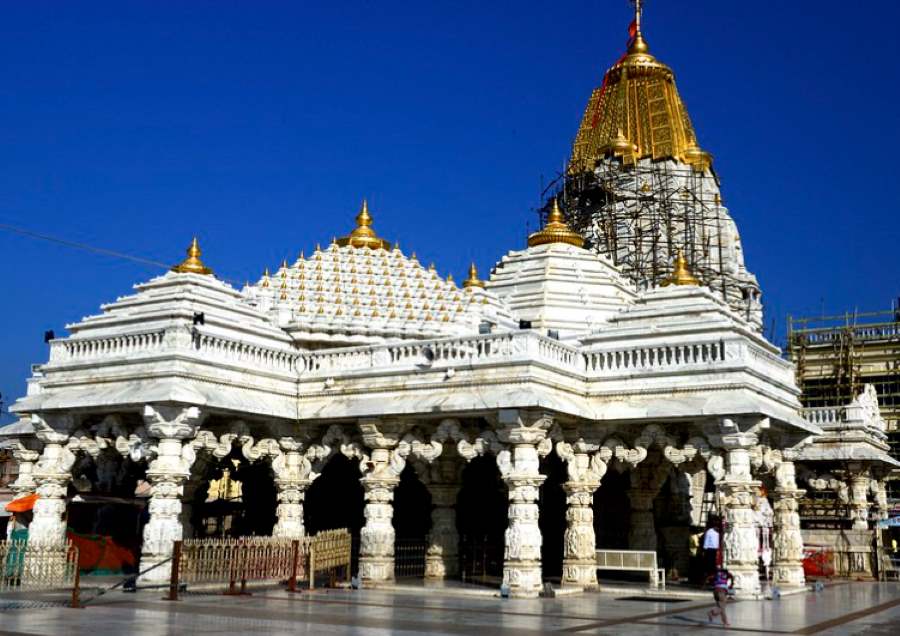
{"x": 556, "y": 230}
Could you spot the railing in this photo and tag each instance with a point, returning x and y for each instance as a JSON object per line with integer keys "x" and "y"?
{"x": 824, "y": 415}
{"x": 652, "y": 358}
{"x": 634, "y": 561}
{"x": 73, "y": 349}
{"x": 29, "y": 568}
{"x": 233, "y": 563}
{"x": 409, "y": 558}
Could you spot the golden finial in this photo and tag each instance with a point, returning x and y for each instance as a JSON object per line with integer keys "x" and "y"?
{"x": 363, "y": 235}
{"x": 556, "y": 230}
{"x": 265, "y": 280}
{"x": 431, "y": 267}
{"x": 681, "y": 274}
{"x": 473, "y": 280}
{"x": 284, "y": 265}
{"x": 192, "y": 264}
{"x": 637, "y": 44}
{"x": 450, "y": 278}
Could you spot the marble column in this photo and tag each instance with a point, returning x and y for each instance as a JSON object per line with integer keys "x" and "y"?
{"x": 859, "y": 493}
{"x": 167, "y": 473}
{"x": 787, "y": 562}
{"x": 52, "y": 475}
{"x": 377, "y": 536}
{"x": 579, "y": 542}
{"x": 740, "y": 541}
{"x": 879, "y": 493}
{"x": 519, "y": 468}
{"x": 442, "y": 554}
{"x": 291, "y": 481}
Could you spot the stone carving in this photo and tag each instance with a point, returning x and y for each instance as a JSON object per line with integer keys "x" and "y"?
{"x": 736, "y": 493}
{"x": 787, "y": 541}
{"x": 52, "y": 474}
{"x": 646, "y": 482}
{"x": 167, "y": 474}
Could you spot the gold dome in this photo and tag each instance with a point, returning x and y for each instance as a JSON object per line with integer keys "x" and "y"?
{"x": 363, "y": 235}
{"x": 192, "y": 264}
{"x": 681, "y": 273}
{"x": 473, "y": 280}
{"x": 637, "y": 106}
{"x": 556, "y": 230}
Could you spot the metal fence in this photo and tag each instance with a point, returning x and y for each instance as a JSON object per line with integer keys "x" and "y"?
{"x": 409, "y": 558}
{"x": 28, "y": 567}
{"x": 233, "y": 563}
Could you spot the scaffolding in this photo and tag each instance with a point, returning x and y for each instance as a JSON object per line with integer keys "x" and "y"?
{"x": 835, "y": 356}
{"x": 640, "y": 214}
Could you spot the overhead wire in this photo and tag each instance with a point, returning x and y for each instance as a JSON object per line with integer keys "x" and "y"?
{"x": 91, "y": 248}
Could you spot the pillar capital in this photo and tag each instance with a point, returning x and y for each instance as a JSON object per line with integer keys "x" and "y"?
{"x": 172, "y": 421}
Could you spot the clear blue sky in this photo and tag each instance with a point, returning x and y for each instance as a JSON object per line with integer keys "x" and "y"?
{"x": 260, "y": 126}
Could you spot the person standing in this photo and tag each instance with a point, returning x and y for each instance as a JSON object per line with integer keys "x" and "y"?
{"x": 710, "y": 548}
{"x": 721, "y": 580}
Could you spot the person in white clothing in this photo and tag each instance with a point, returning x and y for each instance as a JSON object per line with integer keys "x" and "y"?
{"x": 710, "y": 547}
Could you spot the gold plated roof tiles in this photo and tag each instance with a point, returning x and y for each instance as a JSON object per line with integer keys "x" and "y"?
{"x": 636, "y": 113}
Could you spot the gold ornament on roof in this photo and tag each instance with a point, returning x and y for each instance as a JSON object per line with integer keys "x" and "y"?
{"x": 363, "y": 235}
{"x": 473, "y": 280}
{"x": 192, "y": 264}
{"x": 265, "y": 279}
{"x": 556, "y": 230}
{"x": 681, "y": 273}
{"x": 636, "y": 113}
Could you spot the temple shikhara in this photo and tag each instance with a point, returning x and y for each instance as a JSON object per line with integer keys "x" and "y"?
{"x": 605, "y": 387}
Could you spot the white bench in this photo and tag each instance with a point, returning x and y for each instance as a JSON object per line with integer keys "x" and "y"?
{"x": 633, "y": 561}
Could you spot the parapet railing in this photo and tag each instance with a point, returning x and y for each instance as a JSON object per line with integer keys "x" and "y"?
{"x": 824, "y": 415}
{"x": 30, "y": 567}
{"x": 482, "y": 350}
{"x": 232, "y": 564}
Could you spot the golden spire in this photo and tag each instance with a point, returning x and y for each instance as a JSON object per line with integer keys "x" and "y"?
{"x": 192, "y": 264}
{"x": 556, "y": 230}
{"x": 473, "y": 280}
{"x": 636, "y": 113}
{"x": 363, "y": 235}
{"x": 265, "y": 280}
{"x": 681, "y": 273}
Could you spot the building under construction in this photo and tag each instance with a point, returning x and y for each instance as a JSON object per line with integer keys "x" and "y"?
{"x": 836, "y": 356}
{"x": 639, "y": 188}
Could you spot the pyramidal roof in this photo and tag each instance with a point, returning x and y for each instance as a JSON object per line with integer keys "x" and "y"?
{"x": 360, "y": 289}
{"x": 636, "y": 113}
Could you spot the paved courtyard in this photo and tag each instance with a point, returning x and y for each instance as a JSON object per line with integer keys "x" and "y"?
{"x": 847, "y": 608}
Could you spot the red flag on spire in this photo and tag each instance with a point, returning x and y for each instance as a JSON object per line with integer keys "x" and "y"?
{"x": 632, "y": 29}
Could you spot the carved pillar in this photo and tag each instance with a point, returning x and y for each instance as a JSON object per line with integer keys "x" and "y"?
{"x": 879, "y": 493}
{"x": 740, "y": 542}
{"x": 788, "y": 541}
{"x": 25, "y": 459}
{"x": 519, "y": 468}
{"x": 579, "y": 542}
{"x": 442, "y": 555}
{"x": 52, "y": 475}
{"x": 166, "y": 474}
{"x": 292, "y": 478}
{"x": 859, "y": 491}
{"x": 376, "y": 544}
{"x": 584, "y": 472}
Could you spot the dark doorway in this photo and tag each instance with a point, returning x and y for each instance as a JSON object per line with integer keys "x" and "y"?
{"x": 335, "y": 500}
{"x": 552, "y": 520}
{"x": 612, "y": 511}
{"x": 481, "y": 518}
{"x": 412, "y": 521}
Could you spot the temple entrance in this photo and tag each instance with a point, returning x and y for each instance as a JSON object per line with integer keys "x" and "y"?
{"x": 412, "y": 521}
{"x": 335, "y": 500}
{"x": 552, "y": 519}
{"x": 612, "y": 511}
{"x": 481, "y": 518}
{"x": 234, "y": 498}
{"x": 105, "y": 515}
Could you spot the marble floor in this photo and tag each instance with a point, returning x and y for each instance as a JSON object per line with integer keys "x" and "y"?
{"x": 843, "y": 608}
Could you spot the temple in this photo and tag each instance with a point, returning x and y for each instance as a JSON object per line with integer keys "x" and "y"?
{"x": 589, "y": 393}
